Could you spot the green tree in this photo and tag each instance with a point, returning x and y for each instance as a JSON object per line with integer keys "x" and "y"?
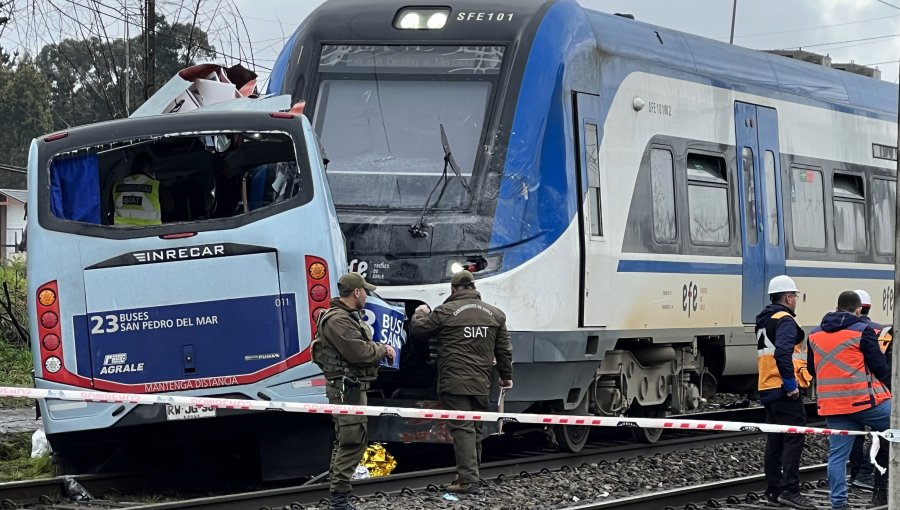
{"x": 24, "y": 104}
{"x": 87, "y": 76}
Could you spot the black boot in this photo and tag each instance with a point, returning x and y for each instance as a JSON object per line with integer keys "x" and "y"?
{"x": 340, "y": 501}
{"x": 879, "y": 497}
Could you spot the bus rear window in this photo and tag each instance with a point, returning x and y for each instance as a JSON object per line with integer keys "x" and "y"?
{"x": 174, "y": 178}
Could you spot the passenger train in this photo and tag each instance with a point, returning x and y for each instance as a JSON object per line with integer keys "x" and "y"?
{"x": 624, "y": 194}
{"x": 622, "y": 191}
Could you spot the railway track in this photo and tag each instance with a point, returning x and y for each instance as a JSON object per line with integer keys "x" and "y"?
{"x": 63, "y": 492}
{"x": 738, "y": 494}
{"x": 301, "y": 497}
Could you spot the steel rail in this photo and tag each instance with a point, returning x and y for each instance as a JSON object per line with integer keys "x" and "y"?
{"x": 431, "y": 479}
{"x": 699, "y": 495}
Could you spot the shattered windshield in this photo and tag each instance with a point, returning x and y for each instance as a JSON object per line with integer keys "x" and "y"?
{"x": 379, "y": 114}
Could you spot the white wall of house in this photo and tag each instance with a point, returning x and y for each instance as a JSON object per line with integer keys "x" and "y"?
{"x": 15, "y": 226}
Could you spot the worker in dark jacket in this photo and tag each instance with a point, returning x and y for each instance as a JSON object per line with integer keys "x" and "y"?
{"x": 345, "y": 352}
{"x": 861, "y": 468}
{"x": 851, "y": 373}
{"x": 472, "y": 335}
{"x": 782, "y": 373}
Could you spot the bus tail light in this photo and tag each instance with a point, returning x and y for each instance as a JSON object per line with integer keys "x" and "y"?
{"x": 318, "y": 289}
{"x": 47, "y": 307}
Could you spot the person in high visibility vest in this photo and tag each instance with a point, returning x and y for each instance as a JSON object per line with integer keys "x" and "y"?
{"x": 850, "y": 372}
{"x": 781, "y": 362}
{"x": 140, "y": 199}
{"x": 861, "y": 468}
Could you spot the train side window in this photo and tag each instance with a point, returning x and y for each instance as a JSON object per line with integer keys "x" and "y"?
{"x": 708, "y": 199}
{"x": 749, "y": 181}
{"x": 849, "y": 213}
{"x": 772, "y": 233}
{"x": 662, "y": 184}
{"x": 807, "y": 209}
{"x": 592, "y": 155}
{"x": 883, "y": 198}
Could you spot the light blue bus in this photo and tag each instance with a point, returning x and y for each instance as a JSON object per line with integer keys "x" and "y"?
{"x": 216, "y": 296}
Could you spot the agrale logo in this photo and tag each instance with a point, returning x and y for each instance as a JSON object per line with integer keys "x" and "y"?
{"x": 116, "y": 364}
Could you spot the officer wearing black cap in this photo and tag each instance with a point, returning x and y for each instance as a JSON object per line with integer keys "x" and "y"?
{"x": 472, "y": 335}
{"x": 344, "y": 350}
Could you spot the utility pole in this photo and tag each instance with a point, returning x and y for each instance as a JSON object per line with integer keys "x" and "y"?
{"x": 150, "y": 48}
{"x": 894, "y": 463}
{"x": 733, "y": 17}
{"x": 127, "y": 73}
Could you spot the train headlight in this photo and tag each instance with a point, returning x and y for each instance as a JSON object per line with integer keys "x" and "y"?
{"x": 421, "y": 18}
{"x": 437, "y": 20}
{"x": 474, "y": 264}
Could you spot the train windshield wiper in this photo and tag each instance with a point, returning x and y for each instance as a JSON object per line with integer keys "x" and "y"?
{"x": 449, "y": 162}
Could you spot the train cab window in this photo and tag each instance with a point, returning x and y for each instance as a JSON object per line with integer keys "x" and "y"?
{"x": 662, "y": 185}
{"x": 708, "y": 199}
{"x": 883, "y": 198}
{"x": 849, "y": 213}
{"x": 807, "y": 209}
{"x": 591, "y": 152}
{"x": 749, "y": 182}
{"x": 772, "y": 233}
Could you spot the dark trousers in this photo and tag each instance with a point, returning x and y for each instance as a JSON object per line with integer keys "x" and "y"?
{"x": 782, "y": 460}
{"x": 860, "y": 466}
{"x": 351, "y": 437}
{"x": 466, "y": 434}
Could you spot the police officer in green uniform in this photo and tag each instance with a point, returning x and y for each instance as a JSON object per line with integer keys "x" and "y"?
{"x": 344, "y": 349}
{"x": 472, "y": 335}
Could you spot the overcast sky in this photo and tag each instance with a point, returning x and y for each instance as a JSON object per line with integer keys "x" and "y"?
{"x": 833, "y": 27}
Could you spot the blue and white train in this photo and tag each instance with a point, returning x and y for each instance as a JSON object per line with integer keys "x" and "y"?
{"x": 624, "y": 191}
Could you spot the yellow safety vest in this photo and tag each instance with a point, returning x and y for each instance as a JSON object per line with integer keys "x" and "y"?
{"x": 769, "y": 376}
{"x": 137, "y": 201}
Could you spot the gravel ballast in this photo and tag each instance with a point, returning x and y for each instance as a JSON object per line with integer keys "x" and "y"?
{"x": 607, "y": 480}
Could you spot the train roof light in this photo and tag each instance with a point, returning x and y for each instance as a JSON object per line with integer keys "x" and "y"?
{"x": 437, "y": 20}
{"x": 414, "y": 18}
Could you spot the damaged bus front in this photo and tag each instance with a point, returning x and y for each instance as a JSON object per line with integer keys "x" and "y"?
{"x": 180, "y": 253}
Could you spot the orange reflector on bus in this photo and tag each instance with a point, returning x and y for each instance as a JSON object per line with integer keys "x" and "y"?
{"x": 317, "y": 271}
{"x": 47, "y": 297}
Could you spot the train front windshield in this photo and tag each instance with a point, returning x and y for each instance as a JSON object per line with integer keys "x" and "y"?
{"x": 379, "y": 115}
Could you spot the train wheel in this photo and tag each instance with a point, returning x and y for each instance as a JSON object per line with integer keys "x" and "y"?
{"x": 571, "y": 438}
{"x": 644, "y": 435}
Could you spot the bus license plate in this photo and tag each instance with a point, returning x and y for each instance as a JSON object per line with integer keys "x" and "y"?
{"x": 184, "y": 412}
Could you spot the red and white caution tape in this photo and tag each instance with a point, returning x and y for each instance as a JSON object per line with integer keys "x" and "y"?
{"x": 429, "y": 414}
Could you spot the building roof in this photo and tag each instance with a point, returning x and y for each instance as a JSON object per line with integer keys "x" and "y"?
{"x": 19, "y": 195}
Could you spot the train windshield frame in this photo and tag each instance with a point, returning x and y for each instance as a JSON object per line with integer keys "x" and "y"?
{"x": 379, "y": 111}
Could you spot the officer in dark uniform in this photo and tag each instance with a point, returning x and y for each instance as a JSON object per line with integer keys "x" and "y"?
{"x": 472, "y": 335}
{"x": 345, "y": 352}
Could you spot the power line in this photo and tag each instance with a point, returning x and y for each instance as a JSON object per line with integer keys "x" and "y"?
{"x": 886, "y": 3}
{"x": 845, "y": 42}
{"x": 167, "y": 36}
{"x": 819, "y": 27}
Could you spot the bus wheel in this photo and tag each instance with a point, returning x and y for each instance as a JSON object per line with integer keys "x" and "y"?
{"x": 645, "y": 435}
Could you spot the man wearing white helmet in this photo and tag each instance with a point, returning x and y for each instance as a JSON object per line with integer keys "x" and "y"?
{"x": 782, "y": 373}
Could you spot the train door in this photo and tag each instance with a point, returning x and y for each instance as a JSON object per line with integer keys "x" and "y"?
{"x": 762, "y": 218}
{"x": 596, "y": 263}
